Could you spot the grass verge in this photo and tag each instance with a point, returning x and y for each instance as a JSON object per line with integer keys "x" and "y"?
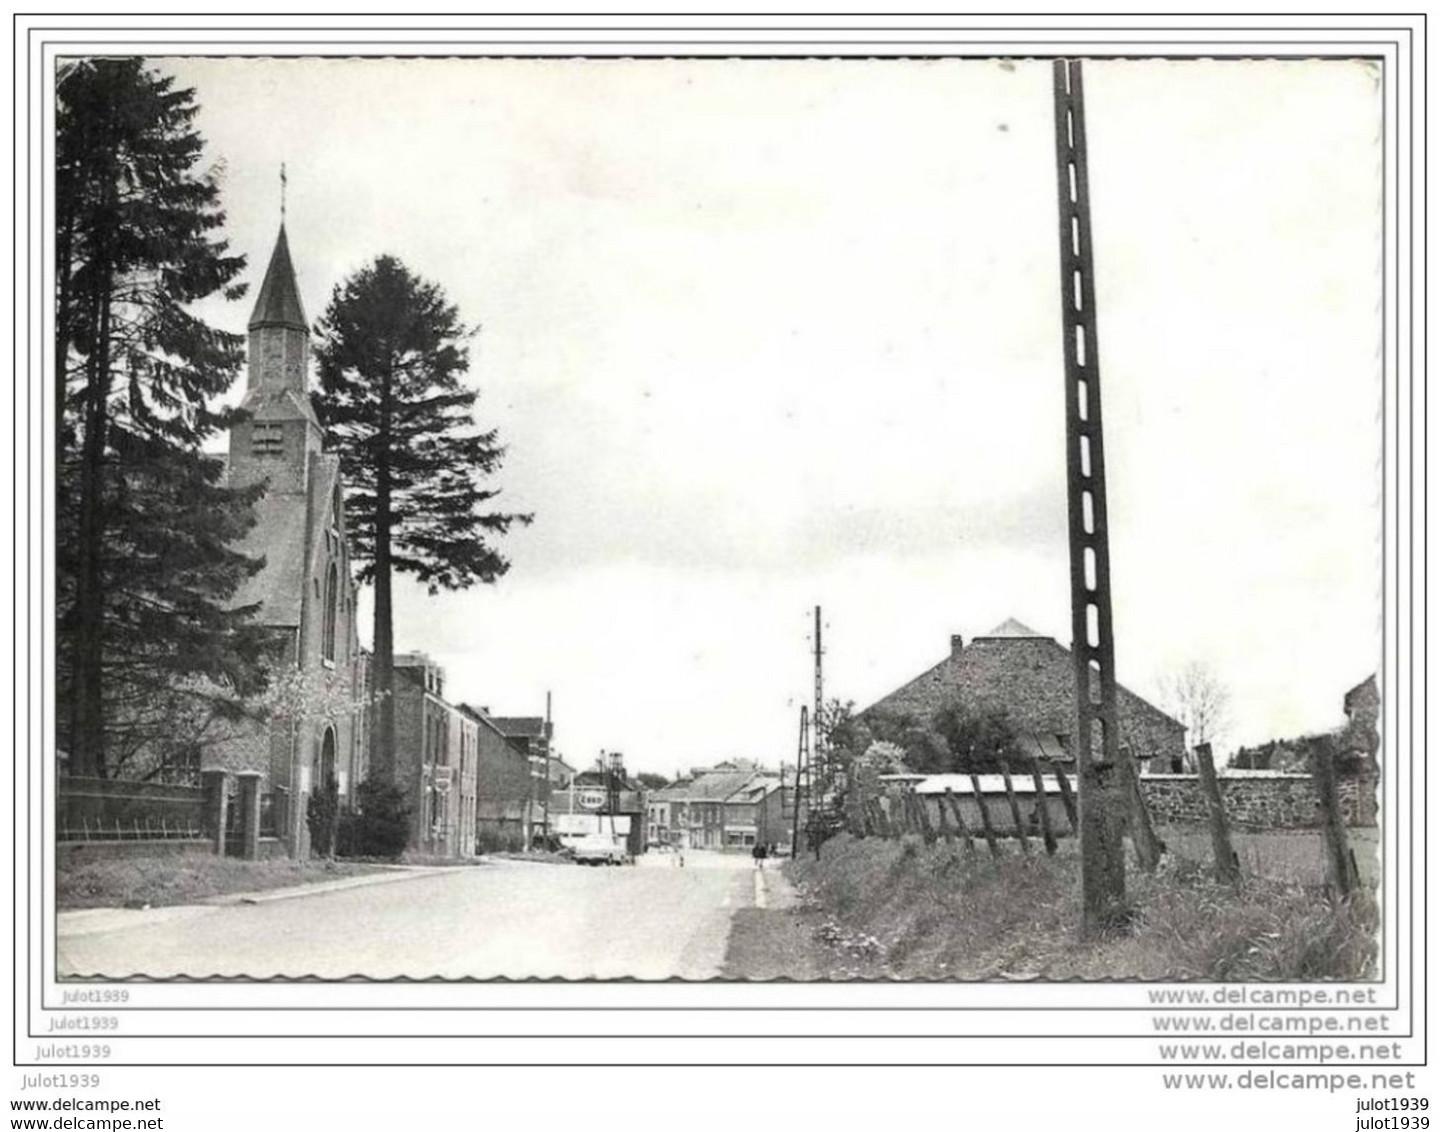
{"x": 187, "y": 878}
{"x": 904, "y": 910}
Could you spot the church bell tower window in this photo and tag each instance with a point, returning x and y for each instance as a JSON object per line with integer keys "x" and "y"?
{"x": 267, "y": 439}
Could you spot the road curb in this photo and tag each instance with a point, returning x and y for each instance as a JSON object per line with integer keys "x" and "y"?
{"x": 88, "y": 921}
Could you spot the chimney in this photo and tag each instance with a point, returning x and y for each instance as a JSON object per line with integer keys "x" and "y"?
{"x": 956, "y": 644}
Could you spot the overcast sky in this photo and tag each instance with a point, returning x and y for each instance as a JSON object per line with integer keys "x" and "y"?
{"x": 762, "y": 335}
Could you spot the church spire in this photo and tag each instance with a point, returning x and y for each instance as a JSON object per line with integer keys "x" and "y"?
{"x": 279, "y": 301}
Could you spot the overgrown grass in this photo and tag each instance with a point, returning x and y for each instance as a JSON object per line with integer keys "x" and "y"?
{"x": 1283, "y": 854}
{"x": 901, "y": 909}
{"x": 184, "y": 878}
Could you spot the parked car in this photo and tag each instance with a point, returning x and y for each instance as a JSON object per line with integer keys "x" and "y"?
{"x": 599, "y": 849}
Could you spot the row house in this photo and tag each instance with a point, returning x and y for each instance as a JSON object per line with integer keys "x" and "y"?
{"x": 734, "y": 805}
{"x": 530, "y": 737}
{"x": 436, "y": 759}
{"x": 503, "y": 787}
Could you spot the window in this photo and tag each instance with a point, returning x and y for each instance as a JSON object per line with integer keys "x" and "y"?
{"x": 332, "y": 597}
{"x": 267, "y": 439}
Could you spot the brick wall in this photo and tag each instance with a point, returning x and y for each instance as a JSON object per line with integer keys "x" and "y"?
{"x": 1258, "y": 800}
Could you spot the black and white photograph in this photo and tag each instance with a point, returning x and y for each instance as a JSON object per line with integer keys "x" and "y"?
{"x": 657, "y": 519}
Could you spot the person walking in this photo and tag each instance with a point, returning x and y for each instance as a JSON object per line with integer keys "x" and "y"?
{"x": 759, "y": 853}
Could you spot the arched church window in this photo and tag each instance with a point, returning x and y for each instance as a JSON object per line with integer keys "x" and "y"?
{"x": 332, "y": 599}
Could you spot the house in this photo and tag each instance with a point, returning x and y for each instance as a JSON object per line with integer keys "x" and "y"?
{"x": 1362, "y": 723}
{"x": 305, "y": 592}
{"x": 436, "y": 759}
{"x": 531, "y": 736}
{"x": 503, "y": 786}
{"x": 755, "y": 814}
{"x": 1031, "y": 678}
{"x": 732, "y": 805}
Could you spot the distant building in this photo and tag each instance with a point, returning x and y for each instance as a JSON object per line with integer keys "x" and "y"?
{"x": 732, "y": 805}
{"x": 1031, "y": 678}
{"x": 590, "y": 793}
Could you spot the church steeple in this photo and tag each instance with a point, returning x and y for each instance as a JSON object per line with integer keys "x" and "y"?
{"x": 279, "y": 301}
{"x": 281, "y": 433}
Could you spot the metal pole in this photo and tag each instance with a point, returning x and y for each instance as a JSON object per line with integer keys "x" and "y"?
{"x": 818, "y": 754}
{"x": 1102, "y": 802}
{"x": 800, "y": 766}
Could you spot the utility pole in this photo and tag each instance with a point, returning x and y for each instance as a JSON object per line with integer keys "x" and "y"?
{"x": 802, "y": 767}
{"x": 818, "y": 753}
{"x": 1097, "y": 738}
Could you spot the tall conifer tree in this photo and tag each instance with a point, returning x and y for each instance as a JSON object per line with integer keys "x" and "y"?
{"x": 146, "y": 568}
{"x": 391, "y": 356}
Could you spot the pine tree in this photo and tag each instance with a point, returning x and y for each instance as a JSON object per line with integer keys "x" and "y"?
{"x": 146, "y": 569}
{"x": 391, "y": 354}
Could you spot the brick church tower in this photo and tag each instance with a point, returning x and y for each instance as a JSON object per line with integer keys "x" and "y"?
{"x": 282, "y": 432}
{"x": 305, "y": 591}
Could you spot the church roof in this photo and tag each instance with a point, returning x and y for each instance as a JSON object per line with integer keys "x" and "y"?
{"x": 1010, "y": 628}
{"x": 279, "y": 537}
{"x": 279, "y": 301}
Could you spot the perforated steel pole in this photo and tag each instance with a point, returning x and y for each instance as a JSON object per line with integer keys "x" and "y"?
{"x": 1096, "y": 739}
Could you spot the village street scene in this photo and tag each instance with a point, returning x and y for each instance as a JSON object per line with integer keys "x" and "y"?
{"x": 529, "y": 519}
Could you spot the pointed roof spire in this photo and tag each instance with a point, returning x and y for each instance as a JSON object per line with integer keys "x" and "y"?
{"x": 279, "y": 301}
{"x": 1010, "y": 628}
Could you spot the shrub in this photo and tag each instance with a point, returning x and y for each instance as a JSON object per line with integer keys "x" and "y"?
{"x": 380, "y": 824}
{"x": 322, "y": 814}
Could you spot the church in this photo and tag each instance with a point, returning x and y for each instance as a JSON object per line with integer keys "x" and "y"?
{"x": 305, "y": 591}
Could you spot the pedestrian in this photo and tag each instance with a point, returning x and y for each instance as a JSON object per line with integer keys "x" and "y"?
{"x": 759, "y": 853}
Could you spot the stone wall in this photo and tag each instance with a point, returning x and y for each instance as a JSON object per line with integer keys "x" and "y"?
{"x": 1257, "y": 800}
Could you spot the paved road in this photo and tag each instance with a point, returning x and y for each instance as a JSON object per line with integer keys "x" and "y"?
{"x": 515, "y": 920}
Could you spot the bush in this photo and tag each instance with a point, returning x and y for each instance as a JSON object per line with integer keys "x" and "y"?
{"x": 378, "y": 827}
{"x": 490, "y": 839}
{"x": 322, "y": 813}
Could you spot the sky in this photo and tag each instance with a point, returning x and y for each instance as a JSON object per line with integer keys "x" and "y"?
{"x": 766, "y": 335}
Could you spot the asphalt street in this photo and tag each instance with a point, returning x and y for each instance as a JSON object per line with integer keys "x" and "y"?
{"x": 516, "y": 920}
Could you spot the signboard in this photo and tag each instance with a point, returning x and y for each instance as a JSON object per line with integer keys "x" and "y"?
{"x": 442, "y": 779}
{"x": 590, "y": 799}
{"x": 579, "y": 825}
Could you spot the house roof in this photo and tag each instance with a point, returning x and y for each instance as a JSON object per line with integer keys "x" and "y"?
{"x": 1010, "y": 628}
{"x": 714, "y": 786}
{"x": 989, "y": 783}
{"x": 1028, "y": 676}
{"x": 279, "y": 300}
{"x": 520, "y": 726}
{"x": 278, "y": 537}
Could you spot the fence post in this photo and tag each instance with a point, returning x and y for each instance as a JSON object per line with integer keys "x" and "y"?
{"x": 1227, "y": 865}
{"x": 985, "y": 817}
{"x": 927, "y": 830}
{"x": 1043, "y": 800}
{"x": 249, "y": 781}
{"x": 1142, "y": 831}
{"x": 942, "y": 823}
{"x": 1067, "y": 795}
{"x": 1341, "y": 868}
{"x": 959, "y": 820}
{"x": 216, "y": 784}
{"x": 1014, "y": 805}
